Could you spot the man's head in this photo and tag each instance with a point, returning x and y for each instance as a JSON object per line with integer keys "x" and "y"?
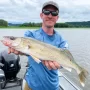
{"x": 49, "y": 14}
{"x": 52, "y": 4}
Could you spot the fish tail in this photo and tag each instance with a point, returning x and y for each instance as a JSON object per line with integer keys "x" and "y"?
{"x": 82, "y": 76}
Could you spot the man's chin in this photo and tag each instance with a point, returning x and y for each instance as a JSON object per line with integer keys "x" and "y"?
{"x": 49, "y": 26}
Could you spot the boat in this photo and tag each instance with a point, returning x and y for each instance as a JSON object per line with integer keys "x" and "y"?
{"x": 66, "y": 83}
{"x": 9, "y": 68}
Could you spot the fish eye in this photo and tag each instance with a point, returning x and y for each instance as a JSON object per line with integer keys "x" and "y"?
{"x": 12, "y": 38}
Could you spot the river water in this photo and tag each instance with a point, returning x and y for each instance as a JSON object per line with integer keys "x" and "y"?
{"x": 79, "y": 45}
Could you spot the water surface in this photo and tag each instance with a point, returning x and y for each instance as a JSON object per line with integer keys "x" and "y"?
{"x": 79, "y": 45}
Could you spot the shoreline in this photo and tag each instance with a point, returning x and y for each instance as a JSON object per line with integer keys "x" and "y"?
{"x": 40, "y": 27}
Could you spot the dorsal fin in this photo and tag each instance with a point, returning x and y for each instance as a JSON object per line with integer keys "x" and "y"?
{"x": 67, "y": 53}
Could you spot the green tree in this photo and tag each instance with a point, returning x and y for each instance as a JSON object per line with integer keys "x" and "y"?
{"x": 3, "y": 23}
{"x": 62, "y": 25}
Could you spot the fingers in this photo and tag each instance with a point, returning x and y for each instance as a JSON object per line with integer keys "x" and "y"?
{"x": 16, "y": 52}
{"x": 57, "y": 65}
{"x": 43, "y": 61}
{"x": 51, "y": 64}
{"x": 47, "y": 65}
{"x": 11, "y": 50}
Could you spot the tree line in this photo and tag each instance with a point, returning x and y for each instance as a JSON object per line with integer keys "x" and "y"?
{"x": 60, "y": 25}
{"x": 4, "y": 23}
{"x": 57, "y": 25}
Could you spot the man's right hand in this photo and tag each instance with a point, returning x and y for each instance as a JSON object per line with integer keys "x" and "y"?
{"x": 11, "y": 50}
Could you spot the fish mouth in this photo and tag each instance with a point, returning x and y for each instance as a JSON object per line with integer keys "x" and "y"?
{"x": 12, "y": 41}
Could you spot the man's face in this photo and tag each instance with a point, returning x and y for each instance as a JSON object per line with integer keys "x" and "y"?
{"x": 49, "y": 20}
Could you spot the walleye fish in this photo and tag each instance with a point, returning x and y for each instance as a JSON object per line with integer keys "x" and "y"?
{"x": 43, "y": 51}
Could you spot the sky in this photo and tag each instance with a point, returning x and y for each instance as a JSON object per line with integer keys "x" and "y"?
{"x": 21, "y": 11}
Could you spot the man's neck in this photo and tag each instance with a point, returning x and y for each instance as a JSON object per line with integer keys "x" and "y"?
{"x": 49, "y": 31}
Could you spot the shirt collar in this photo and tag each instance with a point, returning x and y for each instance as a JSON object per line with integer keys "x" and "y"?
{"x": 42, "y": 32}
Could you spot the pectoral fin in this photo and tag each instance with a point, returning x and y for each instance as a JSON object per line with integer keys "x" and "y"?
{"x": 67, "y": 68}
{"x": 36, "y": 59}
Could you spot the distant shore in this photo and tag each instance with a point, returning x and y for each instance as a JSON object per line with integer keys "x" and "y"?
{"x": 14, "y": 27}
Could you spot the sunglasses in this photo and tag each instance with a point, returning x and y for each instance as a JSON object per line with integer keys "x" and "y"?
{"x": 47, "y": 12}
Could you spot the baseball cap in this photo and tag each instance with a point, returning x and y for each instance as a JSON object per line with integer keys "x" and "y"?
{"x": 50, "y": 3}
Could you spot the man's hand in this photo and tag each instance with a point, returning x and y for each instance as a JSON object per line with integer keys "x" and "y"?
{"x": 11, "y": 50}
{"x": 51, "y": 64}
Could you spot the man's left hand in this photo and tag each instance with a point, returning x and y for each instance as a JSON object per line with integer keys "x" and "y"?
{"x": 51, "y": 64}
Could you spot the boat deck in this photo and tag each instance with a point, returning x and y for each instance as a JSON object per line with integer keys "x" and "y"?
{"x": 65, "y": 84}
{"x": 13, "y": 88}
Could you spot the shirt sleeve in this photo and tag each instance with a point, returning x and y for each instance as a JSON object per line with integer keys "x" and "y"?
{"x": 28, "y": 33}
{"x": 63, "y": 43}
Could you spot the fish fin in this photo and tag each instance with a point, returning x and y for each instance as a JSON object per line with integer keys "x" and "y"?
{"x": 67, "y": 53}
{"x": 36, "y": 59}
{"x": 29, "y": 46}
{"x": 67, "y": 68}
{"x": 82, "y": 76}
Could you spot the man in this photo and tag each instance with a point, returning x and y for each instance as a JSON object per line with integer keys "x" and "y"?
{"x": 44, "y": 76}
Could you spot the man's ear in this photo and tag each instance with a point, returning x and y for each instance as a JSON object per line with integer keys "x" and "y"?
{"x": 41, "y": 14}
{"x": 57, "y": 17}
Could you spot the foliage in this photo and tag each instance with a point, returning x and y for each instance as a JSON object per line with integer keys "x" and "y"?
{"x": 3, "y": 23}
{"x": 30, "y": 24}
{"x": 79, "y": 24}
{"x": 84, "y": 24}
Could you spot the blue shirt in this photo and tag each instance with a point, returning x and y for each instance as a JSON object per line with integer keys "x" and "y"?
{"x": 38, "y": 76}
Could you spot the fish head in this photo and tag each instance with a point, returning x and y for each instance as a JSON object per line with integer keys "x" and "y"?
{"x": 11, "y": 41}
